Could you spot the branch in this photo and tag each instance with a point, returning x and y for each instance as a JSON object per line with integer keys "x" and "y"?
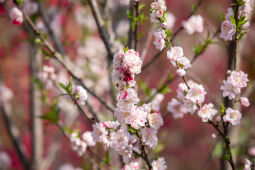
{"x": 102, "y": 31}
{"x": 52, "y": 35}
{"x": 58, "y": 58}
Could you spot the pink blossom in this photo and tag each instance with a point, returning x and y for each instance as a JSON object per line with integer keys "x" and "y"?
{"x": 245, "y": 101}
{"x": 155, "y": 120}
{"x": 176, "y": 108}
{"x": 99, "y": 133}
{"x": 194, "y": 24}
{"x": 251, "y": 151}
{"x": 159, "y": 164}
{"x": 228, "y": 30}
{"x": 207, "y": 112}
{"x": 134, "y": 165}
{"x": 16, "y": 16}
{"x": 88, "y": 139}
{"x": 149, "y": 137}
{"x": 159, "y": 39}
{"x": 232, "y": 116}
{"x": 196, "y": 94}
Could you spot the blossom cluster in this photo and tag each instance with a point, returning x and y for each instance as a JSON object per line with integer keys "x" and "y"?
{"x": 80, "y": 144}
{"x": 123, "y": 135}
{"x": 166, "y": 21}
{"x": 177, "y": 59}
{"x": 190, "y": 96}
{"x": 231, "y": 87}
{"x": 234, "y": 83}
{"x": 228, "y": 26}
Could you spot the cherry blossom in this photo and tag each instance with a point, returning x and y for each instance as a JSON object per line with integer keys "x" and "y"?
{"x": 245, "y": 101}
{"x": 207, "y": 112}
{"x": 232, "y": 116}
{"x": 159, "y": 164}
{"x": 80, "y": 94}
{"x": 149, "y": 137}
{"x": 194, "y": 24}
{"x": 16, "y": 16}
{"x": 176, "y": 108}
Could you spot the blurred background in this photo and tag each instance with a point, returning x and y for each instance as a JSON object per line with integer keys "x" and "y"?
{"x": 185, "y": 143}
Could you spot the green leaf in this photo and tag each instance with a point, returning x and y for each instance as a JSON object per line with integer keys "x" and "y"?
{"x": 125, "y": 49}
{"x": 37, "y": 82}
{"x": 141, "y": 6}
{"x": 193, "y": 8}
{"x": 38, "y": 41}
{"x": 233, "y": 20}
{"x": 46, "y": 53}
{"x": 158, "y": 149}
{"x": 62, "y": 86}
{"x": 218, "y": 150}
{"x": 53, "y": 115}
{"x": 131, "y": 130}
{"x": 227, "y": 155}
{"x": 130, "y": 15}
{"x": 107, "y": 158}
{"x": 69, "y": 86}
{"x": 18, "y": 1}
{"x": 223, "y": 109}
{"x": 165, "y": 90}
{"x": 198, "y": 49}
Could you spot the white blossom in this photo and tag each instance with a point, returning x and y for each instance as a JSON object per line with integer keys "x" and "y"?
{"x": 194, "y": 24}
{"x": 232, "y": 116}
{"x": 207, "y": 112}
{"x": 159, "y": 164}
{"x": 149, "y": 137}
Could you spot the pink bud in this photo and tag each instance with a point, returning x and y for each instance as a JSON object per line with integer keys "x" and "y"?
{"x": 252, "y": 151}
{"x": 181, "y": 72}
{"x": 245, "y": 101}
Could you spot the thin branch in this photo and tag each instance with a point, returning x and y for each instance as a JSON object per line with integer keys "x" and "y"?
{"x": 52, "y": 35}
